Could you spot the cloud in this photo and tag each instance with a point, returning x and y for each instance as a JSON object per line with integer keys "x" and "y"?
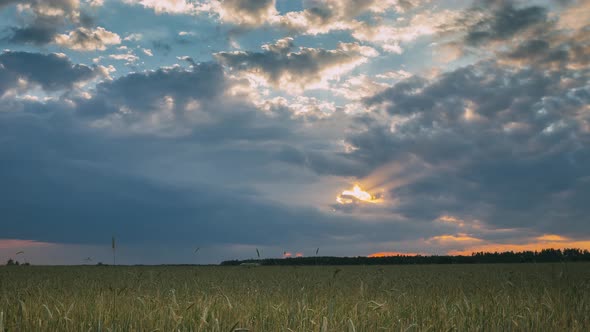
{"x": 367, "y": 21}
{"x": 551, "y": 50}
{"x": 197, "y": 102}
{"x": 161, "y": 101}
{"x": 47, "y": 18}
{"x": 461, "y": 238}
{"x": 280, "y": 66}
{"x": 170, "y": 6}
{"x": 78, "y": 171}
{"x": 20, "y": 70}
{"x": 508, "y": 145}
{"x": 576, "y": 16}
{"x": 320, "y": 17}
{"x": 248, "y": 13}
{"x": 162, "y": 145}
{"x": 83, "y": 39}
{"x": 505, "y": 138}
{"x": 358, "y": 87}
{"x": 128, "y": 57}
{"x": 134, "y": 37}
{"x": 504, "y": 22}
{"x": 317, "y": 17}
{"x": 483, "y": 28}
{"x": 95, "y": 3}
{"x": 391, "y": 36}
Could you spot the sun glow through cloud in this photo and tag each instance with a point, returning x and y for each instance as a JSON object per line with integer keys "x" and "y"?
{"x": 357, "y": 194}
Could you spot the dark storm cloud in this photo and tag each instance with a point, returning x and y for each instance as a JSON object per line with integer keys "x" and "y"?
{"x": 495, "y": 26}
{"x": 529, "y": 49}
{"x": 37, "y": 34}
{"x": 8, "y": 2}
{"x": 180, "y": 101}
{"x": 505, "y": 22}
{"x": 282, "y": 66}
{"x": 69, "y": 176}
{"x": 50, "y": 71}
{"x": 47, "y": 17}
{"x": 42, "y": 22}
{"x": 64, "y": 183}
{"x": 527, "y": 35}
{"x": 145, "y": 91}
{"x": 551, "y": 51}
{"x": 140, "y": 90}
{"x": 321, "y": 162}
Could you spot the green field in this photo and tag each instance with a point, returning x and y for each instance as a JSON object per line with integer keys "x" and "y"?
{"x": 529, "y": 297}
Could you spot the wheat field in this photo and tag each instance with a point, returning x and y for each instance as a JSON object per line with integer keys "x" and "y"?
{"x": 507, "y": 297}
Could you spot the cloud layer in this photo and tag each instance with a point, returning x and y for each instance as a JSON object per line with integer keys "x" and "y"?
{"x": 233, "y": 125}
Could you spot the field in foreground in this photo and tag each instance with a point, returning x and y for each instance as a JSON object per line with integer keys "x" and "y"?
{"x": 528, "y": 297}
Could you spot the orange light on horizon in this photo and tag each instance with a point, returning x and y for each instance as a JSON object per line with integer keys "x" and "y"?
{"x": 299, "y": 254}
{"x": 466, "y": 244}
{"x": 287, "y": 254}
{"x": 390, "y": 254}
{"x": 461, "y": 237}
{"x": 546, "y": 241}
{"x": 552, "y": 237}
{"x": 18, "y": 244}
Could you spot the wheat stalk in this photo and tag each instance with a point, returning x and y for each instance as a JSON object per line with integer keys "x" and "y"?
{"x": 114, "y": 246}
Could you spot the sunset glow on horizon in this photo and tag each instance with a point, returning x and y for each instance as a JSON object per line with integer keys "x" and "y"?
{"x": 547, "y": 241}
{"x": 390, "y": 254}
{"x": 16, "y": 244}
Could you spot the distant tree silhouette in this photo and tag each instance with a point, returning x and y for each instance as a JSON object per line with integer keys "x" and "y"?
{"x": 12, "y": 262}
{"x": 545, "y": 255}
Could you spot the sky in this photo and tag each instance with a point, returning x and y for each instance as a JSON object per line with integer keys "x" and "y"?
{"x": 354, "y": 126}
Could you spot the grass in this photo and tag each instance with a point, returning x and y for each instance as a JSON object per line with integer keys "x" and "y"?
{"x": 527, "y": 297}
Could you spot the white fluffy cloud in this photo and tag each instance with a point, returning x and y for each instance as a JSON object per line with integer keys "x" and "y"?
{"x": 171, "y": 6}
{"x": 391, "y": 36}
{"x": 83, "y": 39}
{"x": 246, "y": 12}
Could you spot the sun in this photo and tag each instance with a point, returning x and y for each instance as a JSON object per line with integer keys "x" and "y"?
{"x": 357, "y": 194}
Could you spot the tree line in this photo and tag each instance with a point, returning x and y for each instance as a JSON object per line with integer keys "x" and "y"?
{"x": 543, "y": 256}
